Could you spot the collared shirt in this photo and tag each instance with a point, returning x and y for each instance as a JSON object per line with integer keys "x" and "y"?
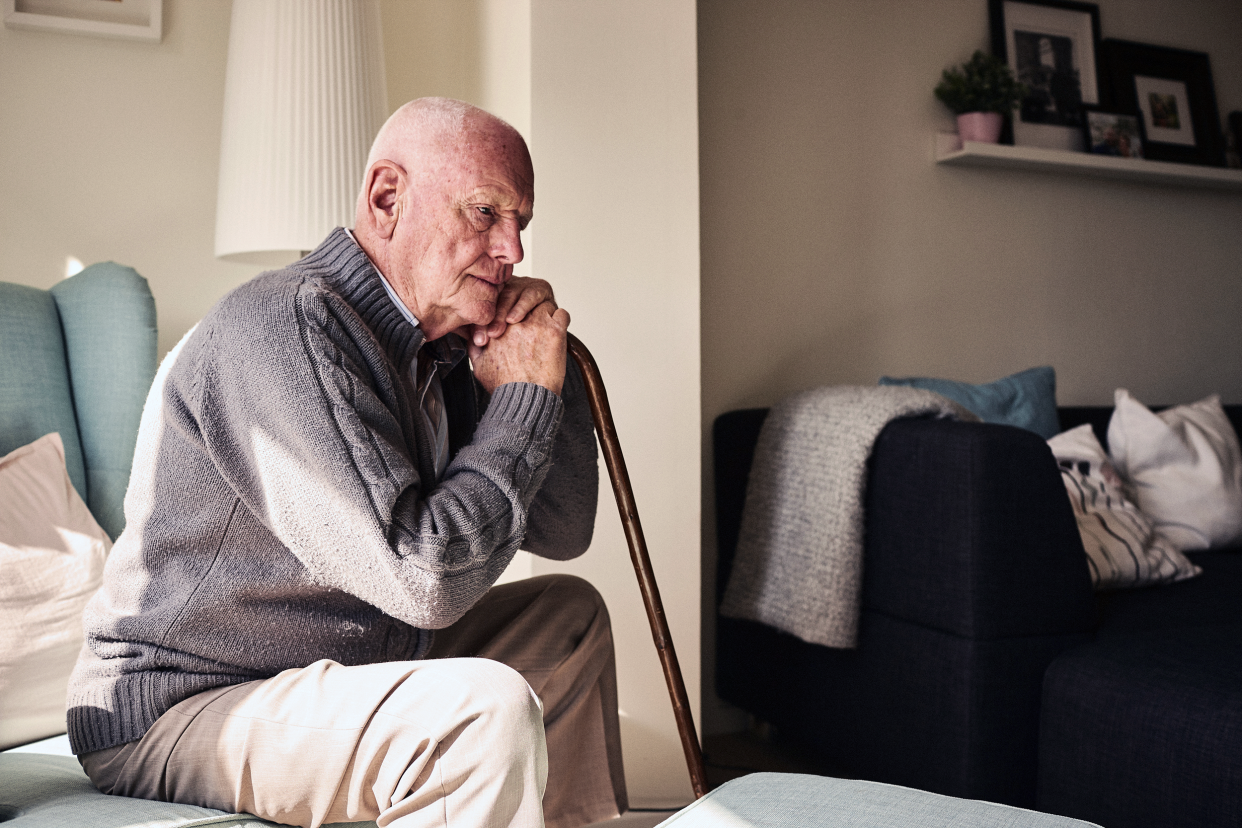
{"x": 435, "y": 359}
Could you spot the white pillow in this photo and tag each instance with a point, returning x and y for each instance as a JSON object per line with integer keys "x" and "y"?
{"x": 51, "y": 562}
{"x": 1123, "y": 550}
{"x": 1184, "y": 468}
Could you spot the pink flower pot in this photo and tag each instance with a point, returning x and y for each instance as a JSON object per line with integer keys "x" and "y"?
{"x": 983, "y": 127}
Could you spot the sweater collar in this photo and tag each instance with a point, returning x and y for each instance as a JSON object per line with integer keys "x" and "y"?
{"x": 340, "y": 262}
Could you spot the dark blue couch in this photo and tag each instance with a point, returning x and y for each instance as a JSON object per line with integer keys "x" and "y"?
{"x": 978, "y": 616}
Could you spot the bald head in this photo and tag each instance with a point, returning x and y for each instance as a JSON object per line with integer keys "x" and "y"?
{"x": 447, "y": 191}
{"x": 426, "y": 132}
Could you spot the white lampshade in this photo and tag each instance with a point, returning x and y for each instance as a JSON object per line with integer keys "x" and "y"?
{"x": 304, "y": 96}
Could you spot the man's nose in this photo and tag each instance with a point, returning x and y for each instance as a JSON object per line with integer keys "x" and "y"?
{"x": 506, "y": 242}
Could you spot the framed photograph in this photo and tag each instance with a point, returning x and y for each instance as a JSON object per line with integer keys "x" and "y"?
{"x": 1051, "y": 45}
{"x": 125, "y": 19}
{"x": 1112, "y": 133}
{"x": 1172, "y": 90}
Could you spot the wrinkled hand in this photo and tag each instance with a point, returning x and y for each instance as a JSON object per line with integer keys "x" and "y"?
{"x": 517, "y": 298}
{"x": 532, "y": 350}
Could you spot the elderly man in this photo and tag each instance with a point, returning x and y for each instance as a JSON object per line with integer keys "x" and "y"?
{"x": 321, "y": 481}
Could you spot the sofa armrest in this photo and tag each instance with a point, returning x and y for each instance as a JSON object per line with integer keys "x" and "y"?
{"x": 969, "y": 531}
{"x": 974, "y": 580}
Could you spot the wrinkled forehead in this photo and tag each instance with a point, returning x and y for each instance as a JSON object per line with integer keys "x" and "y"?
{"x": 493, "y": 161}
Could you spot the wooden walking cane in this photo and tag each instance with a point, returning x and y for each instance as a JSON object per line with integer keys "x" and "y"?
{"x": 602, "y": 414}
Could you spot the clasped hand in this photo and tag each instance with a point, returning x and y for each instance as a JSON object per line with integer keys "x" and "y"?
{"x": 525, "y": 342}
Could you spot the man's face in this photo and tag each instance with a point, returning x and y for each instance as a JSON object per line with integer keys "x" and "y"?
{"x": 457, "y": 238}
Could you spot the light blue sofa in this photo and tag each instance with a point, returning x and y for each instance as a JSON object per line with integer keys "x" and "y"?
{"x": 79, "y": 359}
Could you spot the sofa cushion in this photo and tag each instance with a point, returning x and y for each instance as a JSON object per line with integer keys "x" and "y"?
{"x": 1185, "y": 468}
{"x": 108, "y": 316}
{"x": 1143, "y": 729}
{"x": 52, "y": 557}
{"x": 38, "y": 791}
{"x": 35, "y": 395}
{"x": 1027, "y": 399}
{"x": 1123, "y": 548}
{"x": 41, "y": 791}
{"x": 1213, "y": 599}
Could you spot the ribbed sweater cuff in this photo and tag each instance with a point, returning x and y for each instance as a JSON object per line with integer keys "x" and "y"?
{"x": 123, "y": 710}
{"x": 529, "y": 405}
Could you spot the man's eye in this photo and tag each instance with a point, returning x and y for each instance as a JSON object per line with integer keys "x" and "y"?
{"x": 487, "y": 211}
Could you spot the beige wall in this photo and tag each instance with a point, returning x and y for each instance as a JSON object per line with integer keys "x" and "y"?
{"x": 835, "y": 250}
{"x": 109, "y": 149}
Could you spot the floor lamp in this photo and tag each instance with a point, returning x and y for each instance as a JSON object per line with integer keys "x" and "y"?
{"x": 304, "y": 97}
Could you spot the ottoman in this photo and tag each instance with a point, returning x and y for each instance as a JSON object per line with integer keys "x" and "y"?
{"x": 792, "y": 800}
{"x": 1145, "y": 729}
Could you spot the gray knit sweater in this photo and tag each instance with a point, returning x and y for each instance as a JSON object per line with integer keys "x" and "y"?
{"x": 282, "y": 507}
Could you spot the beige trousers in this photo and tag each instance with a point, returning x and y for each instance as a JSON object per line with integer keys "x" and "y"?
{"x": 456, "y": 740}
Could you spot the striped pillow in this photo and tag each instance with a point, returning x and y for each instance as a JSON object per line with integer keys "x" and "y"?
{"x": 1123, "y": 547}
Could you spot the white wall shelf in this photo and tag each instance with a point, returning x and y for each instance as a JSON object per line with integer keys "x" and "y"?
{"x": 951, "y": 152}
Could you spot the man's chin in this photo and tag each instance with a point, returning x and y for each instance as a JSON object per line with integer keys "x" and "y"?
{"x": 481, "y": 319}
{"x": 485, "y": 314}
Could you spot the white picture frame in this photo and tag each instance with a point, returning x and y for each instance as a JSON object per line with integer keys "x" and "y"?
{"x": 122, "y": 19}
{"x": 1073, "y": 29}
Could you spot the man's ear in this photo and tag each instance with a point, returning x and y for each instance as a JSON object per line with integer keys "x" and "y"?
{"x": 385, "y": 188}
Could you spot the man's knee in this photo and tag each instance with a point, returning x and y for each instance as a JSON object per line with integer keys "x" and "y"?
{"x": 504, "y": 723}
{"x": 475, "y": 693}
{"x": 507, "y": 696}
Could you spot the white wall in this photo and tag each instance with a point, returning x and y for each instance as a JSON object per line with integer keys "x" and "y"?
{"x": 472, "y": 50}
{"x": 835, "y": 250}
{"x": 614, "y": 137}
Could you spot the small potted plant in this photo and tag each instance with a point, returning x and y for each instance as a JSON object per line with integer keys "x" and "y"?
{"x": 980, "y": 92}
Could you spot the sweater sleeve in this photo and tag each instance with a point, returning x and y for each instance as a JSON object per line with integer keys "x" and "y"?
{"x": 303, "y": 416}
{"x": 562, "y": 517}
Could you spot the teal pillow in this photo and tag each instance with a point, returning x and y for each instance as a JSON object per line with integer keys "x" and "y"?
{"x": 1027, "y": 399}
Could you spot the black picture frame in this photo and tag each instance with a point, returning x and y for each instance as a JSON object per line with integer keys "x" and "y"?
{"x": 1116, "y": 134}
{"x": 1052, "y": 46}
{"x": 1141, "y": 75}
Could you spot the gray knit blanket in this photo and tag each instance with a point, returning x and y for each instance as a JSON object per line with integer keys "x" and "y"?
{"x": 799, "y": 555}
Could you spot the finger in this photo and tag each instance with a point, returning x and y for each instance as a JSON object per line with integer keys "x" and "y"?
{"x": 534, "y": 293}
{"x": 542, "y": 309}
{"x": 561, "y": 317}
{"x": 479, "y": 336}
{"x": 506, "y": 300}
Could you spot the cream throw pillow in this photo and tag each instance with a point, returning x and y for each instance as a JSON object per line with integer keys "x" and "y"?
{"x": 1184, "y": 467}
{"x": 1123, "y": 548}
{"x": 51, "y": 562}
